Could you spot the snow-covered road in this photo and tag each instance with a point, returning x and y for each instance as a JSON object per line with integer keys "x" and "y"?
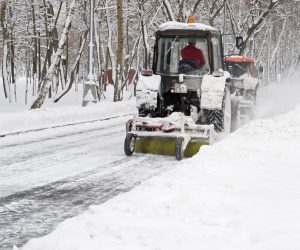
{"x": 241, "y": 193}
{"x": 48, "y": 176}
{"x": 247, "y": 196}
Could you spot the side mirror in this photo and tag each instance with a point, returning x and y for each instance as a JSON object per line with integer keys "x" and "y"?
{"x": 146, "y": 72}
{"x": 239, "y": 42}
{"x": 261, "y": 69}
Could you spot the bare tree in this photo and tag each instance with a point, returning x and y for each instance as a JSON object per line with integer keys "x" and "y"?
{"x": 57, "y": 58}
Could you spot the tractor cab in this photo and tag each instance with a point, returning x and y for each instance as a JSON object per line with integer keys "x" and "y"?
{"x": 178, "y": 46}
{"x": 184, "y": 53}
{"x": 239, "y": 65}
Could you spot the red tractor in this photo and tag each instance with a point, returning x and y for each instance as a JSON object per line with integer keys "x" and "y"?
{"x": 244, "y": 84}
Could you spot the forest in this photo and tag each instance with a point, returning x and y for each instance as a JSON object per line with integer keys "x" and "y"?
{"x": 47, "y": 41}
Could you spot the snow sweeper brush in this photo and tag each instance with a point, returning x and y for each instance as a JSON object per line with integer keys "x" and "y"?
{"x": 176, "y": 135}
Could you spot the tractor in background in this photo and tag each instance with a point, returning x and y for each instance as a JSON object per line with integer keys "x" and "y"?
{"x": 244, "y": 84}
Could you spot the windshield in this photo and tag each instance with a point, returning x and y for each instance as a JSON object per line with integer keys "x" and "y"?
{"x": 240, "y": 68}
{"x": 182, "y": 56}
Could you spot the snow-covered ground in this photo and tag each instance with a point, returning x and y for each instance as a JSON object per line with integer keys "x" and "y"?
{"x": 16, "y": 116}
{"x": 51, "y": 175}
{"x": 71, "y": 99}
{"x": 54, "y": 117}
{"x": 241, "y": 193}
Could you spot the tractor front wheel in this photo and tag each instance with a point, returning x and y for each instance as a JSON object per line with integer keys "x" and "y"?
{"x": 129, "y": 144}
{"x": 179, "y": 148}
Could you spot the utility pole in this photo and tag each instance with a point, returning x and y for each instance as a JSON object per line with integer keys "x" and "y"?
{"x": 89, "y": 87}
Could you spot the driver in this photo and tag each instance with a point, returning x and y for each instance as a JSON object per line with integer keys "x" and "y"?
{"x": 191, "y": 53}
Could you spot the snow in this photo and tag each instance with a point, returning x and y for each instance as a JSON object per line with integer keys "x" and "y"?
{"x": 16, "y": 117}
{"x": 241, "y": 193}
{"x": 278, "y": 99}
{"x": 212, "y": 91}
{"x": 249, "y": 82}
{"x": 147, "y": 99}
{"x": 149, "y": 83}
{"x": 185, "y": 26}
{"x": 53, "y": 117}
{"x": 35, "y": 159}
{"x": 53, "y": 154}
{"x": 147, "y": 90}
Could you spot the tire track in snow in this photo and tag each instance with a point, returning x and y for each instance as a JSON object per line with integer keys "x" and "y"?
{"x": 41, "y": 150}
{"x": 25, "y": 153}
{"x": 36, "y": 212}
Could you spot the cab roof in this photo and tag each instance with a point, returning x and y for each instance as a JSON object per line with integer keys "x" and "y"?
{"x": 236, "y": 59}
{"x": 185, "y": 26}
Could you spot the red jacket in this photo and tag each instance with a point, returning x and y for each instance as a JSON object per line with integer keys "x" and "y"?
{"x": 190, "y": 52}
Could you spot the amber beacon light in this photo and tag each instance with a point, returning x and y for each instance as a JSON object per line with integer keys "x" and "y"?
{"x": 191, "y": 19}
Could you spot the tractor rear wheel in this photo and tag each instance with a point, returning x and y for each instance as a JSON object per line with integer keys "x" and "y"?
{"x": 221, "y": 119}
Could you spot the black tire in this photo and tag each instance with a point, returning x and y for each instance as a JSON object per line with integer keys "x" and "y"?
{"x": 217, "y": 117}
{"x": 129, "y": 144}
{"x": 179, "y": 149}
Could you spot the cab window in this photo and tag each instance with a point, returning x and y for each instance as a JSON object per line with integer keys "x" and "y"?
{"x": 170, "y": 60}
{"x": 217, "y": 55}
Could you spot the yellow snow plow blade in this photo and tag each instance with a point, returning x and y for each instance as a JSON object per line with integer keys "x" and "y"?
{"x": 165, "y": 146}
{"x": 180, "y": 138}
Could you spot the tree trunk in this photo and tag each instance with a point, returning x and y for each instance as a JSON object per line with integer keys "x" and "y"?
{"x": 12, "y": 64}
{"x": 35, "y": 45}
{"x": 74, "y": 71}
{"x": 110, "y": 51}
{"x": 57, "y": 58}
{"x": 3, "y": 22}
{"x": 120, "y": 52}
{"x": 145, "y": 39}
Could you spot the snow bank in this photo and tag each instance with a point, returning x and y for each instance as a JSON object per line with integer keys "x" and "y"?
{"x": 241, "y": 193}
{"x": 51, "y": 117}
{"x": 16, "y": 116}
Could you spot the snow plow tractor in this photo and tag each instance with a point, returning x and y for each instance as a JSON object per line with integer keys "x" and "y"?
{"x": 244, "y": 84}
{"x": 184, "y": 102}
